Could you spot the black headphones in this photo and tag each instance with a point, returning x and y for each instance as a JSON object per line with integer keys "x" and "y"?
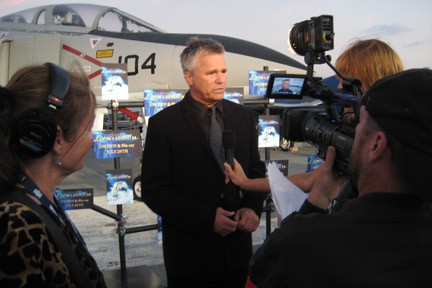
{"x": 36, "y": 131}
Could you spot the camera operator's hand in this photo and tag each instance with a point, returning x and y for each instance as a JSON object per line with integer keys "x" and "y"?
{"x": 327, "y": 184}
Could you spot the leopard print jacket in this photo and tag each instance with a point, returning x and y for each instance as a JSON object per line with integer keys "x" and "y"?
{"x": 28, "y": 256}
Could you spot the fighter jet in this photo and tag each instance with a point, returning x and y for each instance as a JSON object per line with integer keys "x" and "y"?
{"x": 94, "y": 35}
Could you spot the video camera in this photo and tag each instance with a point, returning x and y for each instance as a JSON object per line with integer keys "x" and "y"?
{"x": 324, "y": 125}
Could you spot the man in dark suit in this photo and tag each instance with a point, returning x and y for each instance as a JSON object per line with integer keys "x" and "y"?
{"x": 207, "y": 222}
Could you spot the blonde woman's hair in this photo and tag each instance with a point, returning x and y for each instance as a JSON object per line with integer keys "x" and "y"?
{"x": 368, "y": 61}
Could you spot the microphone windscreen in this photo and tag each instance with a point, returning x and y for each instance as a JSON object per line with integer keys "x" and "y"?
{"x": 228, "y": 139}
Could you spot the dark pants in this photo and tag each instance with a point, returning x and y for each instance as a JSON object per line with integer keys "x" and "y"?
{"x": 231, "y": 280}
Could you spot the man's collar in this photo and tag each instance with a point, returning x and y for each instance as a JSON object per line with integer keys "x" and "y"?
{"x": 198, "y": 104}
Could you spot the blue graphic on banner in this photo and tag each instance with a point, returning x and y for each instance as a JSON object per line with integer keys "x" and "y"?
{"x": 157, "y": 99}
{"x": 268, "y": 131}
{"x": 119, "y": 186}
{"x": 72, "y": 199}
{"x": 235, "y": 95}
{"x": 114, "y": 82}
{"x": 118, "y": 143}
{"x": 313, "y": 163}
{"x": 258, "y": 82}
{"x": 282, "y": 165}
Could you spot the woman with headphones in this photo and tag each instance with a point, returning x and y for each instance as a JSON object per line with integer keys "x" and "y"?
{"x": 46, "y": 117}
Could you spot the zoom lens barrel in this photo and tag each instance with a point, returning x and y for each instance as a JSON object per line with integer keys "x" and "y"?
{"x": 322, "y": 132}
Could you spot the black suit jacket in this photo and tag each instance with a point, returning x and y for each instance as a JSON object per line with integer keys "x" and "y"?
{"x": 376, "y": 240}
{"x": 182, "y": 182}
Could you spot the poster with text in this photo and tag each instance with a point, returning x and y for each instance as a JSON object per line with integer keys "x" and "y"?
{"x": 234, "y": 94}
{"x": 268, "y": 131}
{"x": 117, "y": 143}
{"x": 114, "y": 82}
{"x": 72, "y": 199}
{"x": 258, "y": 81}
{"x": 119, "y": 186}
{"x": 157, "y": 99}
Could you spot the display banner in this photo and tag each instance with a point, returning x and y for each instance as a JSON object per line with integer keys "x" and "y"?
{"x": 234, "y": 94}
{"x": 72, "y": 199}
{"x": 117, "y": 143}
{"x": 268, "y": 131}
{"x": 282, "y": 165}
{"x": 258, "y": 81}
{"x": 114, "y": 82}
{"x": 157, "y": 99}
{"x": 119, "y": 186}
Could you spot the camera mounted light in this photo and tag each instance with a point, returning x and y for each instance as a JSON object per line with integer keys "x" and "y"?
{"x": 315, "y": 35}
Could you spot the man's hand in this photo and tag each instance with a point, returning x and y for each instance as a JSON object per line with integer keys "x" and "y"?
{"x": 247, "y": 220}
{"x": 326, "y": 186}
{"x": 224, "y": 225}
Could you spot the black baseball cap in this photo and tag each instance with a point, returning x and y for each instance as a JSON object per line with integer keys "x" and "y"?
{"x": 401, "y": 105}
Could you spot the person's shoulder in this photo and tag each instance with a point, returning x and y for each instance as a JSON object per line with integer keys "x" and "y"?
{"x": 294, "y": 234}
{"x": 166, "y": 113}
{"x": 227, "y": 104}
{"x": 17, "y": 210}
{"x": 241, "y": 112}
{"x": 25, "y": 236}
{"x": 21, "y": 216}
{"x": 304, "y": 224}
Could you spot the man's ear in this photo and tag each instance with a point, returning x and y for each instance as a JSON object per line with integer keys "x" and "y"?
{"x": 188, "y": 77}
{"x": 378, "y": 146}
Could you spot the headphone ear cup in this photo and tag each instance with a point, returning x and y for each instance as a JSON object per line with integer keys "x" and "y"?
{"x": 34, "y": 135}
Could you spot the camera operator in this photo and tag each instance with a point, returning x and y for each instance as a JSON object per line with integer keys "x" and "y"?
{"x": 381, "y": 238}
{"x": 367, "y": 60}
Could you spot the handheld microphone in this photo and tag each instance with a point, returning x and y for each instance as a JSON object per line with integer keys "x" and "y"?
{"x": 232, "y": 197}
{"x": 228, "y": 143}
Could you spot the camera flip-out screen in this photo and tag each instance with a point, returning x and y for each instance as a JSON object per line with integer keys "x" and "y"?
{"x": 285, "y": 86}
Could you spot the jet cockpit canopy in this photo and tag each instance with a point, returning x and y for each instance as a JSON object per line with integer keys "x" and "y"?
{"x": 89, "y": 16}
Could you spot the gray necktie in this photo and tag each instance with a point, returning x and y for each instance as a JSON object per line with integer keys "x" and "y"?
{"x": 215, "y": 136}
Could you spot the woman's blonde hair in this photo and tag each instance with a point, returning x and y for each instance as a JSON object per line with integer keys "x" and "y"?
{"x": 368, "y": 61}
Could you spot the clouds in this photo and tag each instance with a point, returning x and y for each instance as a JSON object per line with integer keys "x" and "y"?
{"x": 12, "y": 4}
{"x": 414, "y": 44}
{"x": 388, "y": 29}
{"x": 404, "y": 24}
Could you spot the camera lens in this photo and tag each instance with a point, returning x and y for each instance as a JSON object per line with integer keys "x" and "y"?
{"x": 322, "y": 132}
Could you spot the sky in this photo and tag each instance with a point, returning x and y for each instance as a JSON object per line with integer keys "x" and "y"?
{"x": 404, "y": 25}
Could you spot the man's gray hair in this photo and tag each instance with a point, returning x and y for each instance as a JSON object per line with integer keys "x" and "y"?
{"x": 197, "y": 46}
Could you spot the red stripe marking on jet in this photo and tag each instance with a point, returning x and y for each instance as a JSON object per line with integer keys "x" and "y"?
{"x": 94, "y": 74}
{"x": 82, "y": 55}
{"x": 86, "y": 57}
